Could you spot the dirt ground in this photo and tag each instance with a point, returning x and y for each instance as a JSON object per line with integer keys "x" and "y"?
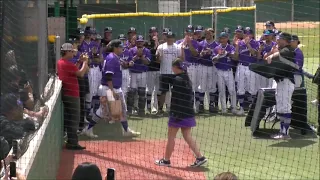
{"x": 289, "y": 25}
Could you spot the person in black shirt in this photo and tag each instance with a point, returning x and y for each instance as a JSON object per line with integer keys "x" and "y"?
{"x": 107, "y": 35}
{"x": 154, "y": 69}
{"x": 181, "y": 115}
{"x": 285, "y": 84}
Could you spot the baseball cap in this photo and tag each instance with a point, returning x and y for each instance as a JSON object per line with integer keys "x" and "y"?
{"x": 171, "y": 35}
{"x": 226, "y": 30}
{"x": 93, "y": 31}
{"x": 239, "y": 29}
{"x": 285, "y": 36}
{"x": 132, "y": 30}
{"x": 122, "y": 37}
{"x": 269, "y": 23}
{"x": 67, "y": 47}
{"x": 153, "y": 29}
{"x": 108, "y": 29}
{"x": 223, "y": 34}
{"x": 80, "y": 31}
{"x": 295, "y": 38}
{"x": 199, "y": 29}
{"x": 9, "y": 102}
{"x": 166, "y": 30}
{"x": 87, "y": 30}
{"x": 190, "y": 29}
{"x": 268, "y": 32}
{"x": 116, "y": 43}
{"x": 99, "y": 37}
{"x": 248, "y": 30}
{"x": 140, "y": 38}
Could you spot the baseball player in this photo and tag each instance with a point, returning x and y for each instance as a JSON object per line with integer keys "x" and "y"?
{"x": 222, "y": 57}
{"x": 140, "y": 59}
{"x": 264, "y": 50}
{"x": 285, "y": 85}
{"x": 107, "y": 35}
{"x": 207, "y": 72}
{"x": 299, "y": 59}
{"x": 86, "y": 47}
{"x": 110, "y": 88}
{"x": 190, "y": 53}
{"x": 164, "y": 35}
{"x": 198, "y": 33}
{"x": 125, "y": 58}
{"x": 166, "y": 54}
{"x": 132, "y": 32}
{"x": 246, "y": 79}
{"x": 153, "y": 71}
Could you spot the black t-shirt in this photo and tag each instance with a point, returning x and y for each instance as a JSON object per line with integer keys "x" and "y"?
{"x": 288, "y": 53}
{"x": 182, "y": 97}
{"x": 153, "y": 66}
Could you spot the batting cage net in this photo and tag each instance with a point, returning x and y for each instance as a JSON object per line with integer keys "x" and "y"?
{"x": 159, "y": 89}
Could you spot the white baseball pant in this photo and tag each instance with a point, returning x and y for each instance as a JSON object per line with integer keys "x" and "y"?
{"x": 125, "y": 80}
{"x": 297, "y": 80}
{"x": 246, "y": 80}
{"x": 207, "y": 78}
{"x": 284, "y": 93}
{"x": 138, "y": 80}
{"x": 192, "y": 73}
{"x": 94, "y": 77}
{"x": 153, "y": 87}
{"x": 226, "y": 78}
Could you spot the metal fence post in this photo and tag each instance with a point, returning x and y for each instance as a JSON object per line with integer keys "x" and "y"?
{"x": 163, "y": 22}
{"x": 190, "y": 21}
{"x": 215, "y": 23}
{"x": 292, "y": 10}
{"x": 42, "y": 45}
{"x": 57, "y": 50}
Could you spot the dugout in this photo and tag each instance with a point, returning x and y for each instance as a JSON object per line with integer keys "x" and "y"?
{"x": 219, "y": 18}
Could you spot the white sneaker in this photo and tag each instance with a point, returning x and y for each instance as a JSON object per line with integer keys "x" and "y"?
{"x": 89, "y": 133}
{"x": 314, "y": 102}
{"x": 131, "y": 133}
{"x": 239, "y": 113}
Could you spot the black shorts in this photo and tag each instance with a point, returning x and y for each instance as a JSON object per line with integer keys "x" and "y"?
{"x": 165, "y": 82}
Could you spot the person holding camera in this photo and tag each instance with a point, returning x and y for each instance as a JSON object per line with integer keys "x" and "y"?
{"x": 68, "y": 73}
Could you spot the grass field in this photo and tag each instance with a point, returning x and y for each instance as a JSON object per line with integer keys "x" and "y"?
{"x": 229, "y": 145}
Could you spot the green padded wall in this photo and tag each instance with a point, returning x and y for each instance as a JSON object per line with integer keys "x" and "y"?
{"x": 274, "y": 10}
{"x": 306, "y": 10}
{"x": 234, "y": 18}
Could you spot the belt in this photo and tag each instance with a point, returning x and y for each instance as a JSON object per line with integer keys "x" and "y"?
{"x": 243, "y": 64}
{"x": 225, "y": 69}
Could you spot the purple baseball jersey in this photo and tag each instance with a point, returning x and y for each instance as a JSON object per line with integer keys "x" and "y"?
{"x": 112, "y": 65}
{"x": 245, "y": 57}
{"x": 224, "y": 63}
{"x": 187, "y": 53}
{"x": 299, "y": 60}
{"x": 179, "y": 41}
{"x": 138, "y": 66}
{"x": 267, "y": 48}
{"x": 206, "y": 59}
{"x": 75, "y": 58}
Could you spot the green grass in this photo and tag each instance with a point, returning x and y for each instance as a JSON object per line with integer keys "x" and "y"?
{"x": 229, "y": 146}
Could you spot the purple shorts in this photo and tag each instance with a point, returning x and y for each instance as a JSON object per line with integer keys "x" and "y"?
{"x": 184, "y": 123}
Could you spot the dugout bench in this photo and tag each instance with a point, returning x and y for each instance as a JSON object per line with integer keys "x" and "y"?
{"x": 266, "y": 99}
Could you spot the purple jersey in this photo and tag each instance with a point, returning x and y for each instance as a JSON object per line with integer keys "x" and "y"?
{"x": 179, "y": 41}
{"x": 76, "y": 58}
{"x": 112, "y": 65}
{"x": 206, "y": 59}
{"x": 267, "y": 48}
{"x": 224, "y": 63}
{"x": 245, "y": 57}
{"x": 187, "y": 53}
{"x": 299, "y": 58}
{"x": 138, "y": 66}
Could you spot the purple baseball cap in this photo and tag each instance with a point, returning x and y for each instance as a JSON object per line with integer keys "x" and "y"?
{"x": 140, "y": 38}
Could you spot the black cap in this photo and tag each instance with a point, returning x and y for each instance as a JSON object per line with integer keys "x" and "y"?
{"x": 140, "y": 38}
{"x": 115, "y": 43}
{"x": 190, "y": 29}
{"x": 248, "y": 30}
{"x": 108, "y": 29}
{"x": 199, "y": 28}
{"x": 166, "y": 30}
{"x": 153, "y": 29}
{"x": 132, "y": 30}
{"x": 93, "y": 31}
{"x": 87, "y": 30}
{"x": 80, "y": 31}
{"x": 223, "y": 34}
{"x": 239, "y": 29}
{"x": 122, "y": 37}
{"x": 295, "y": 38}
{"x": 285, "y": 36}
{"x": 171, "y": 35}
{"x": 270, "y": 23}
